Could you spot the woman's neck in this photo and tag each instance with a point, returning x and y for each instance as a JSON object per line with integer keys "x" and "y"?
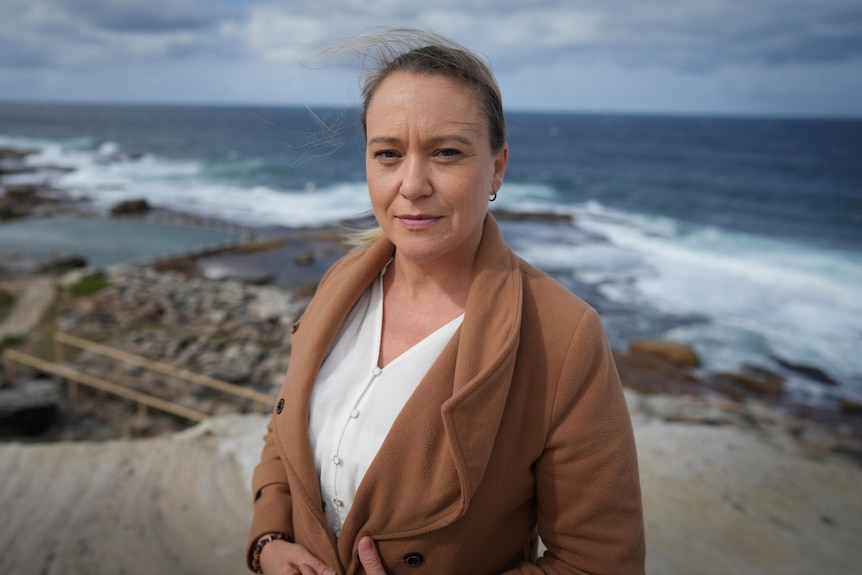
{"x": 430, "y": 287}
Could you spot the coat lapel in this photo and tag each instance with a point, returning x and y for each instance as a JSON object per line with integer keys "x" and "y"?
{"x": 485, "y": 358}
{"x": 314, "y": 335}
{"x": 435, "y": 455}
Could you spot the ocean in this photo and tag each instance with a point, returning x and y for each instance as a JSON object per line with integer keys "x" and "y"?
{"x": 739, "y": 236}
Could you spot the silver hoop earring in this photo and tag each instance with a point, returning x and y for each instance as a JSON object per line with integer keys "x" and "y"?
{"x": 492, "y": 197}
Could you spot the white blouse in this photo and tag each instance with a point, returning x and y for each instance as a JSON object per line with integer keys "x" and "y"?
{"x": 354, "y": 402}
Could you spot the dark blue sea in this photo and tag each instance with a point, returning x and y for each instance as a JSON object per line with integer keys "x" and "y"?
{"x": 740, "y": 236}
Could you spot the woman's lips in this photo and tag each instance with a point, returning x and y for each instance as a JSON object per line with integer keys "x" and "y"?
{"x": 418, "y": 223}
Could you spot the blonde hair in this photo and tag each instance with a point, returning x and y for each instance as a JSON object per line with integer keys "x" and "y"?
{"x": 366, "y": 237}
{"x": 389, "y": 50}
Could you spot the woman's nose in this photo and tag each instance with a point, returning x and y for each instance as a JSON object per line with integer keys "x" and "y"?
{"x": 415, "y": 181}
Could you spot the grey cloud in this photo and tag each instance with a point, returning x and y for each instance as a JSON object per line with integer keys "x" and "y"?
{"x": 88, "y": 33}
{"x": 681, "y": 35}
{"x": 705, "y": 35}
{"x": 150, "y": 16}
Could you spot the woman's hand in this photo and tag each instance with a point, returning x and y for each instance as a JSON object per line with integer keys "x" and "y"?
{"x": 369, "y": 558}
{"x": 281, "y": 557}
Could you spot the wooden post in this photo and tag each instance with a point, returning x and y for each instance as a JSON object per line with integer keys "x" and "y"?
{"x": 11, "y": 371}
{"x": 59, "y": 352}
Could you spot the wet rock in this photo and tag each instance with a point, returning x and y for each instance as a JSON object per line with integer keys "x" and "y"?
{"x": 23, "y": 192}
{"x": 20, "y": 201}
{"x": 654, "y": 374}
{"x": 724, "y": 387}
{"x": 678, "y": 354}
{"x": 29, "y": 408}
{"x": 811, "y": 372}
{"x": 130, "y": 207}
{"x": 760, "y": 381}
{"x": 9, "y": 153}
{"x": 851, "y": 404}
{"x": 63, "y": 265}
{"x": 515, "y": 216}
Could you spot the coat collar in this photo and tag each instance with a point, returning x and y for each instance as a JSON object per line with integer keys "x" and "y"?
{"x": 427, "y": 470}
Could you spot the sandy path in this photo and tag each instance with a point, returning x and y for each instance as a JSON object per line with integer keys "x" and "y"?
{"x": 717, "y": 499}
{"x": 36, "y": 295}
{"x": 720, "y": 501}
{"x": 172, "y": 505}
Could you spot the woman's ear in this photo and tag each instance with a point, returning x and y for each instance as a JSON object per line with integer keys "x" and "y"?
{"x": 501, "y": 160}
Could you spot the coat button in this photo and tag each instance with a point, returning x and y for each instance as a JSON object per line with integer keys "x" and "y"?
{"x": 413, "y": 559}
{"x": 279, "y": 406}
{"x": 294, "y": 327}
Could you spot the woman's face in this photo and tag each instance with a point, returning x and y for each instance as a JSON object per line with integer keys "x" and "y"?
{"x": 430, "y": 167}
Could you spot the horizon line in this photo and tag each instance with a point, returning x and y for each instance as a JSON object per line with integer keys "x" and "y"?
{"x": 705, "y": 114}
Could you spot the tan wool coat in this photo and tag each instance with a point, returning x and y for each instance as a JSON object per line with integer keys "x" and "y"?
{"x": 520, "y": 427}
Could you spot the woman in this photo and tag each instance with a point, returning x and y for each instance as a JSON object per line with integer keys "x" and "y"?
{"x": 445, "y": 402}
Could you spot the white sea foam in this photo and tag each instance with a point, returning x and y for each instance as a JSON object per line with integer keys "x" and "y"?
{"x": 740, "y": 298}
{"x": 762, "y": 296}
{"x": 106, "y": 177}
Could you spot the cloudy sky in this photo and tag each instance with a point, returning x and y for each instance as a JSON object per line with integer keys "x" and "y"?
{"x": 777, "y": 57}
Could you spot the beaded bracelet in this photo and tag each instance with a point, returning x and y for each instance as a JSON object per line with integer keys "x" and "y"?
{"x": 258, "y": 547}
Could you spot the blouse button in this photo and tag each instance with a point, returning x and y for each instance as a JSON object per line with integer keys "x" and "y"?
{"x": 279, "y": 406}
{"x": 337, "y": 502}
{"x": 354, "y": 413}
{"x": 376, "y": 371}
{"x": 413, "y": 559}
{"x": 336, "y": 460}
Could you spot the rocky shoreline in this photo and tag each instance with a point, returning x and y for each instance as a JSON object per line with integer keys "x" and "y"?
{"x": 239, "y": 333}
{"x": 227, "y": 313}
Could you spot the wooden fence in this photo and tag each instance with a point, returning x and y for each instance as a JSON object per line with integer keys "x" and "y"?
{"x": 74, "y": 377}
{"x": 120, "y": 357}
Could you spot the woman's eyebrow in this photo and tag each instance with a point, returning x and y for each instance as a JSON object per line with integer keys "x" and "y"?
{"x": 433, "y": 141}
{"x": 437, "y": 140}
{"x": 383, "y": 140}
